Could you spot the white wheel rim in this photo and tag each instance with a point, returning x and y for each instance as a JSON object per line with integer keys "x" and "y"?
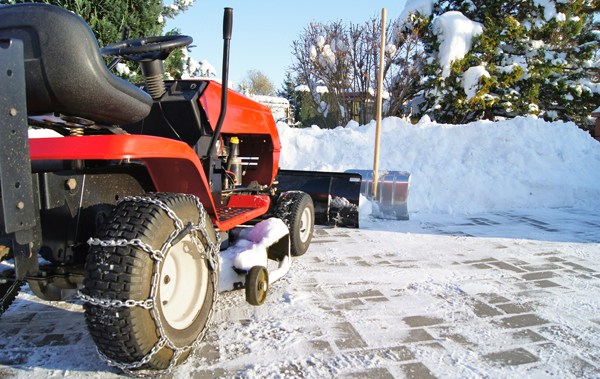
{"x": 183, "y": 284}
{"x": 305, "y": 224}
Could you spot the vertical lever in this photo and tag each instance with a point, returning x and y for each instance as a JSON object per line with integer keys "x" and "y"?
{"x": 227, "y": 27}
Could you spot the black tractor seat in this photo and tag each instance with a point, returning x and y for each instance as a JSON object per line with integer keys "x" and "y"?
{"x": 64, "y": 71}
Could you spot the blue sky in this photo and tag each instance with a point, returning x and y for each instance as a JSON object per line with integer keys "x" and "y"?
{"x": 263, "y": 31}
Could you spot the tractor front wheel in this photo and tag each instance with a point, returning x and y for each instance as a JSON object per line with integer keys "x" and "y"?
{"x": 151, "y": 281}
{"x": 297, "y": 211}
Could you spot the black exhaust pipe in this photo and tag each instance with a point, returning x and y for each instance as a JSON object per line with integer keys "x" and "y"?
{"x": 227, "y": 27}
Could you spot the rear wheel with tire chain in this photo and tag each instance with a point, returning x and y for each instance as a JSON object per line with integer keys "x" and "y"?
{"x": 297, "y": 211}
{"x": 182, "y": 285}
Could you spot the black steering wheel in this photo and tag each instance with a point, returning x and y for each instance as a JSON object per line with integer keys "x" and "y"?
{"x": 146, "y": 49}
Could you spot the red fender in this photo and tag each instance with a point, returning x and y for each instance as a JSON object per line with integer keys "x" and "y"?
{"x": 173, "y": 165}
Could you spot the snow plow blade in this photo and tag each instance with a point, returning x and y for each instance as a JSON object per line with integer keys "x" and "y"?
{"x": 392, "y": 192}
{"x": 335, "y": 195}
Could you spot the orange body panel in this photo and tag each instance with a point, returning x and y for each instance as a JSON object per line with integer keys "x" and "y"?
{"x": 250, "y": 121}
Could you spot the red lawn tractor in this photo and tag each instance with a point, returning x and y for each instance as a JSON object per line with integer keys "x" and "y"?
{"x": 130, "y": 207}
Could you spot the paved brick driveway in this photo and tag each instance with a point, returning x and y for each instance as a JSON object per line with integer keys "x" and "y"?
{"x": 507, "y": 294}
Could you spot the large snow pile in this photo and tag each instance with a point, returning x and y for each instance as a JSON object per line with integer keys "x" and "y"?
{"x": 520, "y": 163}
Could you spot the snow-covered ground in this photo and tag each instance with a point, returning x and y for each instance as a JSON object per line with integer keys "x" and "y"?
{"x": 497, "y": 274}
{"x": 520, "y": 163}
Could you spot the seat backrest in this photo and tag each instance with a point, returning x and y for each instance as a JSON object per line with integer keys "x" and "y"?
{"x": 64, "y": 70}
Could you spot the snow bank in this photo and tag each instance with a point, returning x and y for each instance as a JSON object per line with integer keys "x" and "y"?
{"x": 477, "y": 167}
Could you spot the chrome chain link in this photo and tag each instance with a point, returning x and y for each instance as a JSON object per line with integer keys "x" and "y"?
{"x": 210, "y": 253}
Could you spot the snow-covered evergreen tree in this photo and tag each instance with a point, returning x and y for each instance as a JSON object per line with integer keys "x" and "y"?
{"x": 490, "y": 59}
{"x": 288, "y": 91}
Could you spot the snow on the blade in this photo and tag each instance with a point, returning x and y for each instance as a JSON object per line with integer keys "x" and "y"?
{"x": 482, "y": 166}
{"x": 249, "y": 250}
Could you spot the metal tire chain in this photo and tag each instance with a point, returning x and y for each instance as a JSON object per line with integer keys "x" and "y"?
{"x": 16, "y": 283}
{"x": 148, "y": 304}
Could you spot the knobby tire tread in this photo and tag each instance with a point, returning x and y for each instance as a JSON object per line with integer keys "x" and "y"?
{"x": 289, "y": 210}
{"x": 126, "y": 335}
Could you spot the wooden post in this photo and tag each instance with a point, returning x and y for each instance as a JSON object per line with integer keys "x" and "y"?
{"x": 379, "y": 105}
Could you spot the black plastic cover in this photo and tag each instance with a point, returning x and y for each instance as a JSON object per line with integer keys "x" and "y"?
{"x": 64, "y": 69}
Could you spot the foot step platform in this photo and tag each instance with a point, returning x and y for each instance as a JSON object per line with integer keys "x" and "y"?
{"x": 241, "y": 208}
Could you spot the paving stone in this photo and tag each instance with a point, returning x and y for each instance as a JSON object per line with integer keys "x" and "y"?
{"x": 483, "y": 310}
{"x": 348, "y": 337}
{"x": 555, "y": 259}
{"x": 337, "y": 314}
{"x": 574, "y": 365}
{"x": 522, "y": 321}
{"x": 567, "y": 336}
{"x": 482, "y": 266}
{"x": 513, "y": 308}
{"x": 292, "y": 370}
{"x": 514, "y": 357}
{"x": 343, "y": 235}
{"x": 377, "y": 299}
{"x": 433, "y": 345}
{"x": 235, "y": 350}
{"x": 546, "y": 284}
{"x": 374, "y": 373}
{"x": 14, "y": 357}
{"x": 417, "y": 335}
{"x": 417, "y": 371}
{"x": 537, "y": 294}
{"x": 527, "y": 336}
{"x": 578, "y": 267}
{"x": 492, "y": 298}
{"x": 517, "y": 262}
{"x": 321, "y": 242}
{"x": 582, "y": 369}
{"x": 321, "y": 346}
{"x": 455, "y": 337}
{"x": 395, "y": 353}
{"x": 355, "y": 295}
{"x": 539, "y": 275}
{"x": 542, "y": 267}
{"x": 363, "y": 264}
{"x": 506, "y": 266}
{"x": 8, "y": 331}
{"x": 320, "y": 232}
{"x": 418, "y": 321}
{"x": 18, "y": 317}
{"x": 525, "y": 285}
{"x": 349, "y": 305}
{"x": 481, "y": 261}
